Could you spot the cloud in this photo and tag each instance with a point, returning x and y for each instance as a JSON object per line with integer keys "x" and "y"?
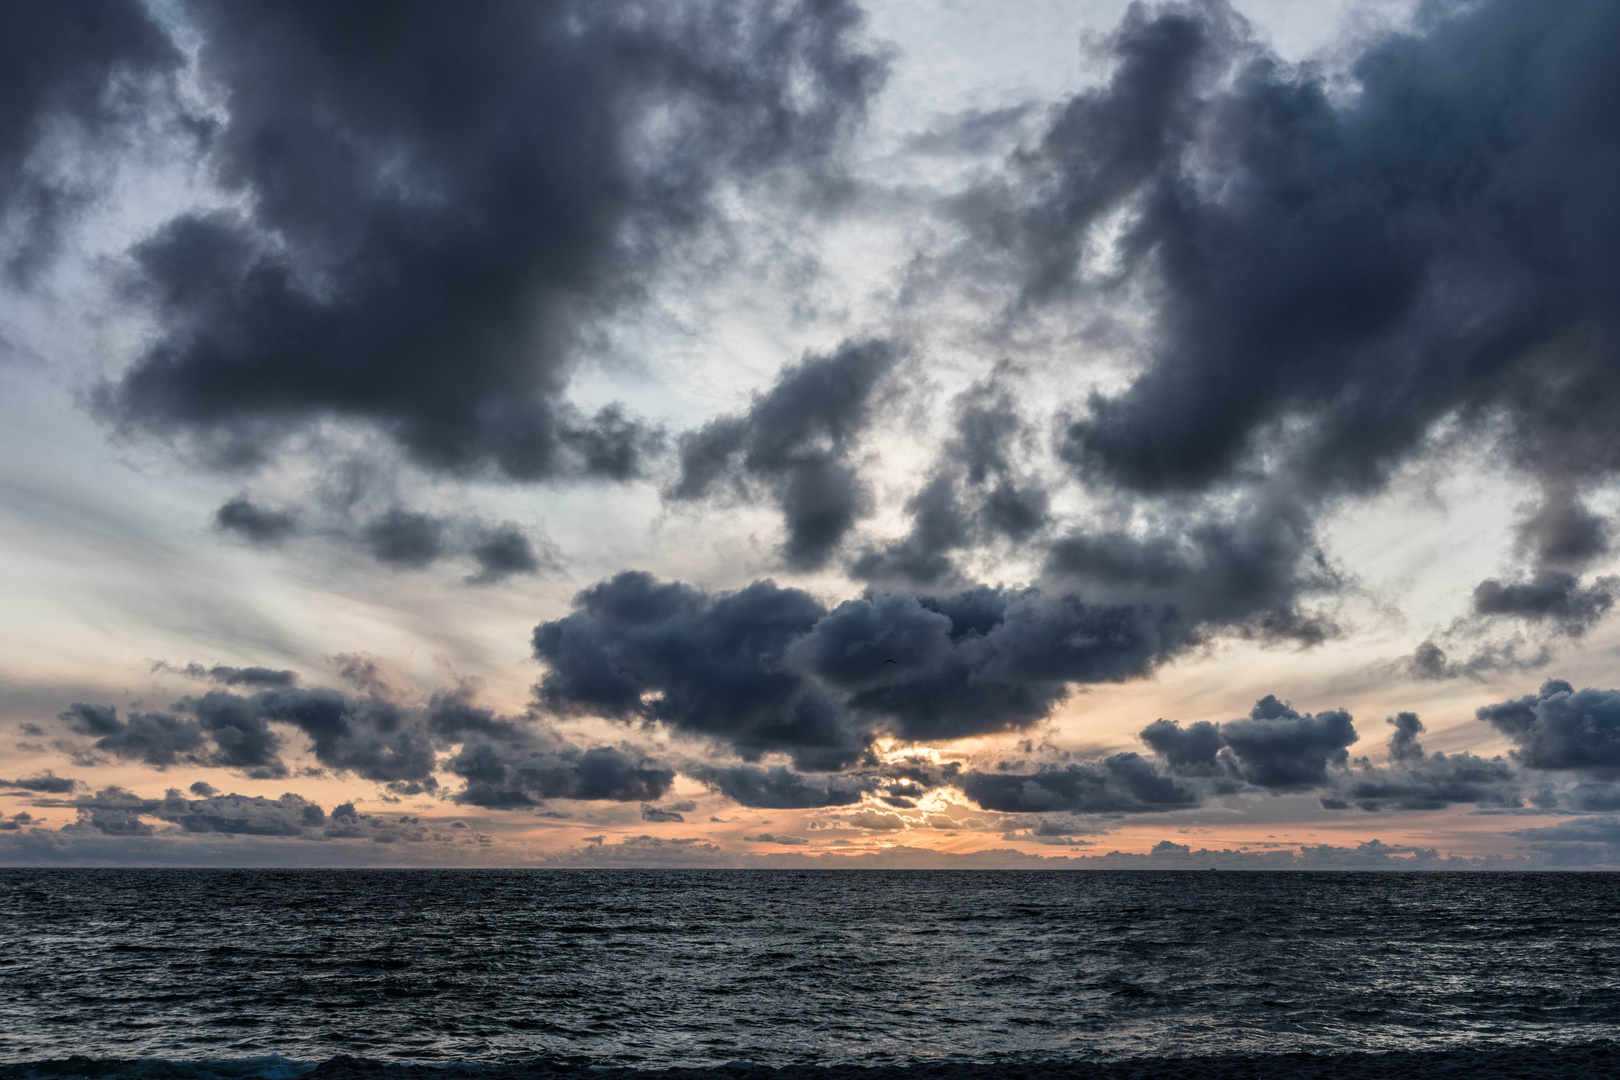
{"x": 505, "y": 762}
{"x": 796, "y": 442}
{"x": 1549, "y": 595}
{"x": 432, "y": 207}
{"x": 117, "y": 812}
{"x": 1562, "y": 729}
{"x": 80, "y": 70}
{"x": 1280, "y": 749}
{"x": 1417, "y": 780}
{"x": 403, "y": 539}
{"x": 1336, "y": 279}
{"x": 1245, "y": 571}
{"x": 1122, "y": 783}
{"x": 1563, "y": 533}
{"x": 154, "y": 738}
{"x": 1431, "y": 662}
{"x": 974, "y": 495}
{"x": 226, "y": 675}
{"x": 778, "y": 788}
{"x": 47, "y": 783}
{"x": 1313, "y": 252}
{"x": 769, "y": 669}
{"x": 504, "y": 550}
{"x": 289, "y": 815}
{"x": 254, "y": 523}
{"x": 1275, "y": 747}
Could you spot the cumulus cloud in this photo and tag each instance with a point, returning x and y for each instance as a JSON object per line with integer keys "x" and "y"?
{"x": 1562, "y": 729}
{"x": 430, "y": 208}
{"x": 1275, "y": 747}
{"x": 768, "y": 668}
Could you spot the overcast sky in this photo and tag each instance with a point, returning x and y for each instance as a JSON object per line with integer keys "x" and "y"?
{"x": 943, "y": 432}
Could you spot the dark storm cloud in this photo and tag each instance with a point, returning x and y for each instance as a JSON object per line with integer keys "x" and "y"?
{"x": 255, "y": 523}
{"x": 1279, "y": 749}
{"x": 770, "y": 669}
{"x": 507, "y": 762}
{"x": 154, "y": 738}
{"x": 1551, "y": 596}
{"x": 1274, "y": 748}
{"x": 796, "y": 442}
{"x": 1188, "y": 751}
{"x": 78, "y": 68}
{"x": 240, "y": 732}
{"x": 1560, "y": 728}
{"x": 638, "y": 649}
{"x": 374, "y": 739}
{"x": 1246, "y": 571}
{"x": 781, "y": 789}
{"x": 525, "y": 772}
{"x": 48, "y": 784}
{"x": 1403, "y": 742}
{"x": 497, "y": 551}
{"x": 1435, "y": 242}
{"x": 435, "y": 204}
{"x": 974, "y": 495}
{"x": 1584, "y": 842}
{"x": 1335, "y": 273}
{"x": 1123, "y": 783}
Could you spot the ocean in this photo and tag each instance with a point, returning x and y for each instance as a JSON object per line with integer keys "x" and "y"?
{"x": 275, "y": 970}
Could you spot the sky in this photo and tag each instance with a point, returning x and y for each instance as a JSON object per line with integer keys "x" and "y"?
{"x": 934, "y": 433}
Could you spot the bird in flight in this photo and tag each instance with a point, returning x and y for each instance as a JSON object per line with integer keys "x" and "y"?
{"x": 886, "y": 663}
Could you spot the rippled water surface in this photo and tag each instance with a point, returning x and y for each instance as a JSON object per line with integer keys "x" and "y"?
{"x": 671, "y": 967}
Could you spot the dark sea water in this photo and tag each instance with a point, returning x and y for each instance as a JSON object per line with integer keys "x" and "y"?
{"x": 656, "y": 968}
